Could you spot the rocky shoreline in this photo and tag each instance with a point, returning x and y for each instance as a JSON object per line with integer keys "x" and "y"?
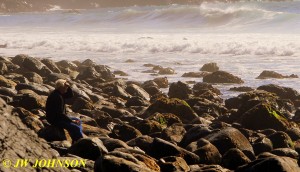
{"x": 134, "y": 126}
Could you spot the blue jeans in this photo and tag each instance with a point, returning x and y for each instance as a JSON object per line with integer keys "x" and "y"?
{"x": 74, "y": 130}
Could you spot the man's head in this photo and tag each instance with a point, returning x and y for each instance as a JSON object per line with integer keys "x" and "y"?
{"x": 61, "y": 85}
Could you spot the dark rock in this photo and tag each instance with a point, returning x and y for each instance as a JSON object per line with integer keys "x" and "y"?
{"x": 210, "y": 67}
{"x": 52, "y": 133}
{"x": 180, "y": 90}
{"x": 136, "y": 90}
{"x": 282, "y": 92}
{"x": 116, "y": 113}
{"x": 64, "y": 64}
{"x": 222, "y": 77}
{"x": 81, "y": 103}
{"x": 88, "y": 62}
{"x": 51, "y": 65}
{"x": 32, "y": 64}
{"x": 194, "y": 134}
{"x": 112, "y": 144}
{"x": 173, "y": 133}
{"x": 173, "y": 163}
{"x": 276, "y": 164}
{"x": 88, "y": 73}
{"x": 206, "y": 151}
{"x": 120, "y": 92}
{"x": 144, "y": 142}
{"x": 146, "y": 127}
{"x": 263, "y": 116}
{"x": 294, "y": 133}
{"x": 8, "y": 91}
{"x": 195, "y": 74}
{"x": 202, "y": 87}
{"x": 125, "y": 132}
{"x": 281, "y": 140}
{"x": 271, "y": 74}
{"x": 285, "y": 152}
{"x": 234, "y": 158}
{"x": 3, "y": 68}
{"x": 241, "y": 89}
{"x": 261, "y": 145}
{"x": 88, "y": 148}
{"x": 204, "y": 106}
{"x": 19, "y": 59}
{"x": 29, "y": 101}
{"x": 229, "y": 138}
{"x": 121, "y": 73}
{"x": 55, "y": 76}
{"x": 175, "y": 106}
{"x": 161, "y": 148}
{"x": 104, "y": 72}
{"x": 162, "y": 82}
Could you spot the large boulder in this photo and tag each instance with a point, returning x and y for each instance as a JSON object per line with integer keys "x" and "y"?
{"x": 88, "y": 148}
{"x": 195, "y": 133}
{"x": 271, "y": 74}
{"x": 273, "y": 163}
{"x": 161, "y": 148}
{"x": 175, "y": 106}
{"x": 29, "y": 101}
{"x": 282, "y": 92}
{"x": 281, "y": 140}
{"x": 173, "y": 163}
{"x": 136, "y": 90}
{"x": 37, "y": 88}
{"x": 207, "y": 152}
{"x": 180, "y": 90}
{"x": 234, "y": 158}
{"x": 52, "y": 133}
{"x": 263, "y": 116}
{"x": 105, "y": 72}
{"x": 210, "y": 67}
{"x": 195, "y": 74}
{"x": 4, "y": 82}
{"x": 230, "y": 138}
{"x": 81, "y": 103}
{"x": 51, "y": 65}
{"x": 147, "y": 126}
{"x": 162, "y": 82}
{"x": 222, "y": 77}
{"x": 125, "y": 132}
{"x": 34, "y": 77}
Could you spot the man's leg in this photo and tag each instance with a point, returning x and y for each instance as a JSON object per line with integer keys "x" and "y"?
{"x": 74, "y": 130}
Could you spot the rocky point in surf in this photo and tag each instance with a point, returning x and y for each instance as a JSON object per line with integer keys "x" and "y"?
{"x": 130, "y": 127}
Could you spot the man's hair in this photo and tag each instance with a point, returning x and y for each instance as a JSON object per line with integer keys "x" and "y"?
{"x": 60, "y": 83}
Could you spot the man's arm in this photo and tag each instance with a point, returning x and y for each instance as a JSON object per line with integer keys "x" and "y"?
{"x": 69, "y": 93}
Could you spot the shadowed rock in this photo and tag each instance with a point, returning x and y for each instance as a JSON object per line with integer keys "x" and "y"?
{"x": 222, "y": 77}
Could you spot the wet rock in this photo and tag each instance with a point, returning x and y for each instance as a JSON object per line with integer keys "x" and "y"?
{"x": 136, "y": 90}
{"x": 222, "y": 77}
{"x": 161, "y": 148}
{"x": 282, "y": 92}
{"x": 34, "y": 77}
{"x": 173, "y": 133}
{"x": 125, "y": 132}
{"x": 4, "y": 82}
{"x": 210, "y": 67}
{"x": 206, "y": 151}
{"x": 202, "y": 87}
{"x": 175, "y": 106}
{"x": 173, "y": 163}
{"x": 234, "y": 158}
{"x": 285, "y": 152}
{"x": 51, "y": 65}
{"x": 121, "y": 73}
{"x": 3, "y": 68}
{"x": 88, "y": 148}
{"x": 271, "y": 74}
{"x": 166, "y": 71}
{"x": 241, "y": 89}
{"x": 195, "y": 74}
{"x": 281, "y": 140}
{"x": 162, "y": 82}
{"x": 229, "y": 138}
{"x": 180, "y": 90}
{"x": 271, "y": 164}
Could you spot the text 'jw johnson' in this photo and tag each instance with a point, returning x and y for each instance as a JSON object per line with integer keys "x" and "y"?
{"x": 44, "y": 163}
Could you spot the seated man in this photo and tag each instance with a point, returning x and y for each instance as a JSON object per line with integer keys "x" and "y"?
{"x": 56, "y": 110}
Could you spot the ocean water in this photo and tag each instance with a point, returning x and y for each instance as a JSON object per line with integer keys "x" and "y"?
{"x": 243, "y": 38}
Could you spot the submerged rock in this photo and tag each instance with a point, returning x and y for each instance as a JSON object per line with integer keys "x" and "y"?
{"x": 222, "y": 77}
{"x": 271, "y": 74}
